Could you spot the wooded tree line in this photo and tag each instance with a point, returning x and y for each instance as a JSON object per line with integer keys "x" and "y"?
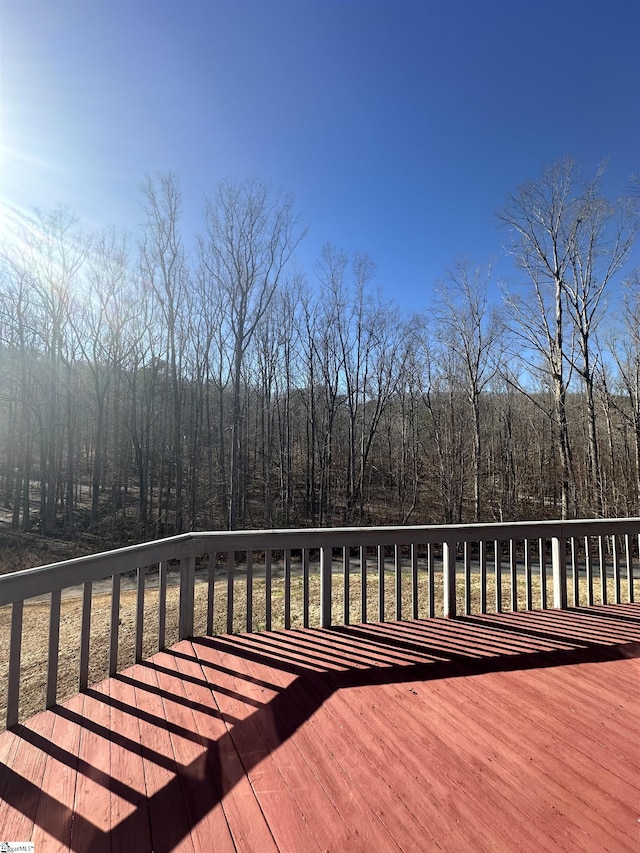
{"x": 151, "y": 390}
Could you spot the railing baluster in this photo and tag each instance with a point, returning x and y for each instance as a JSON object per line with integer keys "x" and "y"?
{"x": 267, "y": 589}
{"x": 162, "y": 605}
{"x": 305, "y": 587}
{"x": 381, "y": 590}
{"x": 85, "y": 635}
{"x": 497, "y": 573}
{"x": 414, "y": 581}
{"x": 211, "y": 587}
{"x": 398, "y": 581}
{"x": 630, "y": 596}
{"x": 15, "y": 648}
{"x": 575, "y": 574}
{"x": 431, "y": 587}
{"x": 250, "y": 591}
{"x": 588, "y": 565}
{"x": 559, "y": 565}
{"x": 139, "y": 612}
{"x": 483, "y": 575}
{"x": 616, "y": 568}
{"x": 187, "y": 594}
{"x": 449, "y": 578}
{"x": 287, "y": 588}
{"x": 54, "y": 648}
{"x": 603, "y": 571}
{"x": 345, "y": 586}
{"x": 115, "y": 624}
{"x": 363, "y": 583}
{"x": 467, "y": 578}
{"x": 542, "y": 560}
{"x": 231, "y": 567}
{"x": 528, "y": 582}
{"x": 326, "y": 558}
{"x": 513, "y": 571}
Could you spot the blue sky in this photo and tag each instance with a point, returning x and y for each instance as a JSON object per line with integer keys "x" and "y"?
{"x": 399, "y": 127}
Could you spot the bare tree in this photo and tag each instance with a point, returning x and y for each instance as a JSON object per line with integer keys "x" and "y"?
{"x": 543, "y": 228}
{"x": 468, "y": 326}
{"x": 55, "y": 251}
{"x": 19, "y": 337}
{"x": 601, "y": 241}
{"x": 442, "y": 395}
{"x": 142, "y": 369}
{"x": 569, "y": 239}
{"x": 309, "y": 321}
{"x": 100, "y": 329}
{"x": 624, "y": 346}
{"x": 404, "y": 414}
{"x": 217, "y": 356}
{"x": 163, "y": 262}
{"x": 252, "y": 232}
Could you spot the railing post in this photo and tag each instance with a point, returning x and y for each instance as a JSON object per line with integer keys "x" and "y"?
{"x": 542, "y": 563}
{"x": 249, "y": 591}
{"x": 187, "y": 587}
{"x": 346, "y": 586}
{"x": 140, "y": 583}
{"x": 85, "y": 632}
{"x": 211, "y": 586}
{"x": 15, "y": 647}
{"x": 449, "y": 577}
{"x": 483, "y": 576}
{"x": 231, "y": 570}
{"x": 431, "y": 590}
{"x": 267, "y": 589}
{"x": 381, "y": 589}
{"x": 528, "y": 605}
{"x": 162, "y": 605}
{"x": 414, "y": 581}
{"x": 497, "y": 572}
{"x": 325, "y": 586}
{"x": 305, "y": 588}
{"x": 398, "y": 579}
{"x": 54, "y": 649}
{"x": 559, "y": 566}
{"x": 116, "y": 582}
{"x": 589, "y": 569}
{"x": 363, "y": 583}
{"x": 616, "y": 569}
{"x": 604, "y": 596}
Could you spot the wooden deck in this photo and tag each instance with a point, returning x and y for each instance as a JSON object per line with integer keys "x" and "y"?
{"x": 498, "y": 733}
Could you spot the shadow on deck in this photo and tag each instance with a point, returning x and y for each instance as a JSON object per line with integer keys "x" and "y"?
{"x": 497, "y": 732}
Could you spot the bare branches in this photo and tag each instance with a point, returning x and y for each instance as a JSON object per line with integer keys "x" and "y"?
{"x": 251, "y": 234}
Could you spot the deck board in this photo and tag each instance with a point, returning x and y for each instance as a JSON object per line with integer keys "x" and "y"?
{"x": 205, "y": 816}
{"x": 58, "y": 788}
{"x": 298, "y": 759}
{"x": 130, "y": 826}
{"x": 93, "y": 786}
{"x": 232, "y": 790}
{"x": 170, "y": 829}
{"x": 22, "y": 791}
{"x": 256, "y": 738}
{"x": 507, "y": 766}
{"x": 485, "y": 733}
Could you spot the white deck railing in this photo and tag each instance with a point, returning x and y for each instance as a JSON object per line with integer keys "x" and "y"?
{"x": 572, "y": 556}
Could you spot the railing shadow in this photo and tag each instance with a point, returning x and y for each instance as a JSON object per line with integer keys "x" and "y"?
{"x": 297, "y": 671}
